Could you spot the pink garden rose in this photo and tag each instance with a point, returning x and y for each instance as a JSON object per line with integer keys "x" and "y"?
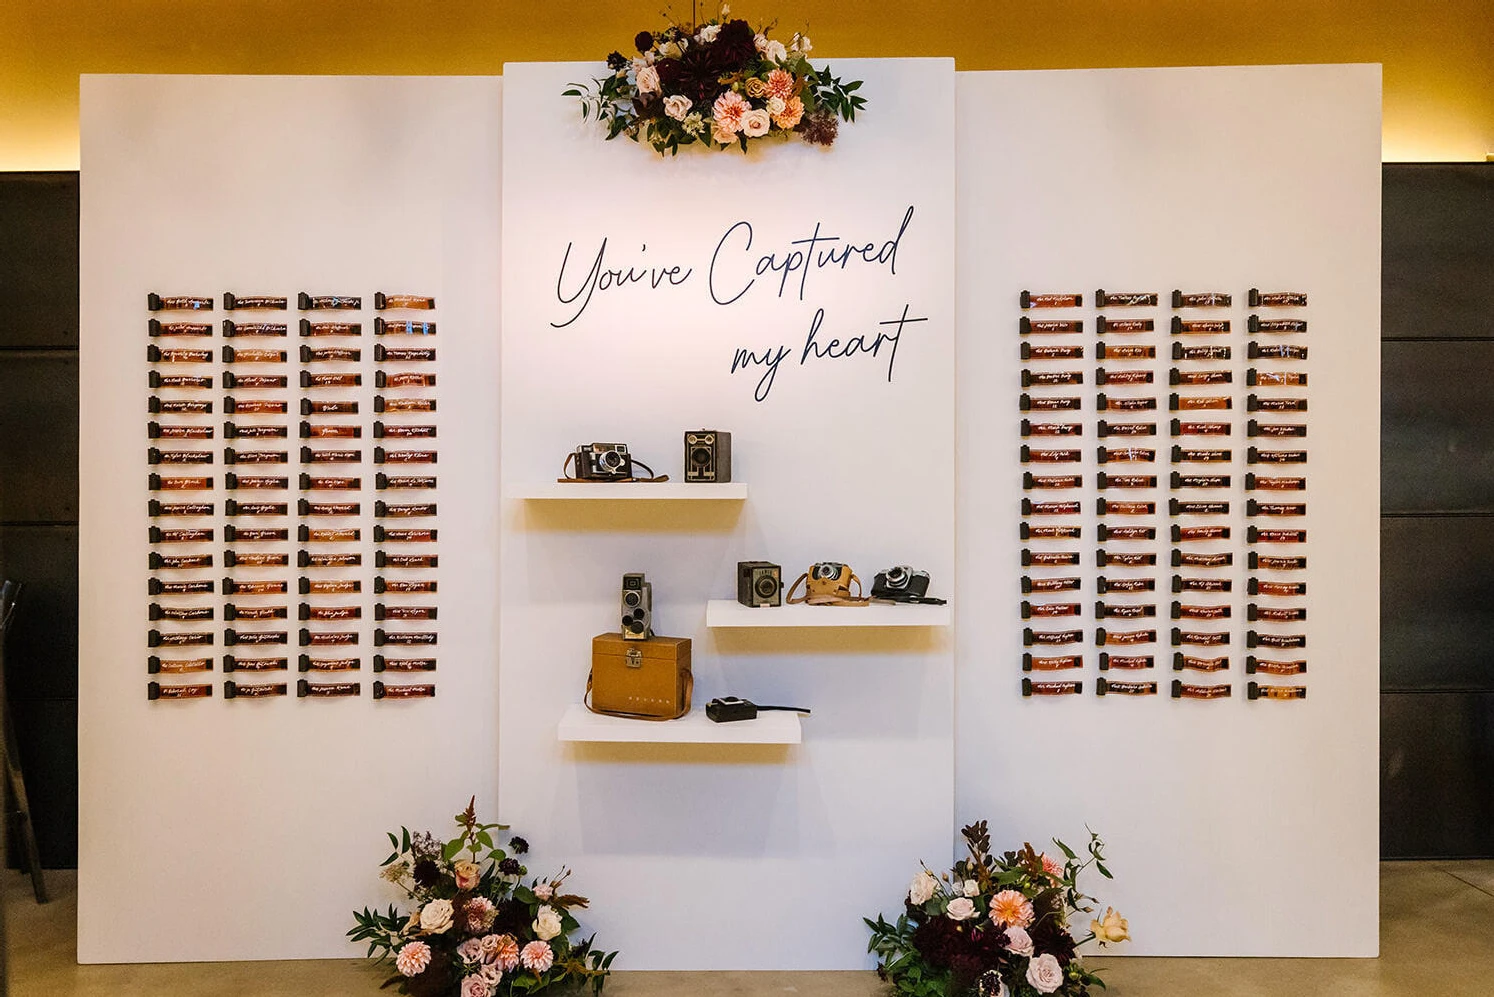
{"x": 467, "y": 874}
{"x": 471, "y": 950}
{"x": 537, "y": 956}
{"x": 475, "y": 986}
{"x": 1019, "y": 941}
{"x": 412, "y": 958}
{"x": 755, "y": 123}
{"x": 1045, "y": 974}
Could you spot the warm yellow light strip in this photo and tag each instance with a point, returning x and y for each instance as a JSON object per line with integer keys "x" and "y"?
{"x": 1439, "y": 77}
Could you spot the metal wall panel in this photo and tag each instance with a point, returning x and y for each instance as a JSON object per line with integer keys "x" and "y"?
{"x": 39, "y": 436}
{"x": 39, "y": 261}
{"x": 1437, "y": 426}
{"x": 1438, "y": 250}
{"x": 1436, "y": 754}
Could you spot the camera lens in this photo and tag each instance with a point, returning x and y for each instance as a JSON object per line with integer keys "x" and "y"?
{"x": 897, "y": 577}
{"x": 631, "y": 599}
{"x": 700, "y": 456}
{"x": 633, "y": 626}
{"x": 610, "y": 460}
{"x": 766, "y": 586}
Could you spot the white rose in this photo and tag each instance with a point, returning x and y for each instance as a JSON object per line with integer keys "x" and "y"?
{"x": 677, "y": 106}
{"x": 801, "y": 43}
{"x": 776, "y": 106}
{"x": 708, "y": 34}
{"x": 722, "y": 136}
{"x": 923, "y": 886}
{"x": 755, "y": 123}
{"x": 1019, "y": 941}
{"x": 775, "y": 51}
{"x": 961, "y": 909}
{"x": 435, "y": 917}
{"x": 648, "y": 80}
{"x": 546, "y": 923}
{"x": 972, "y": 888}
{"x": 1045, "y": 974}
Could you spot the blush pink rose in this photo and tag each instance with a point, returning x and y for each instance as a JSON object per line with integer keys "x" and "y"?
{"x": 475, "y": 986}
{"x": 467, "y": 874}
{"x": 537, "y": 956}
{"x": 755, "y": 123}
{"x": 729, "y": 110}
{"x": 470, "y": 950}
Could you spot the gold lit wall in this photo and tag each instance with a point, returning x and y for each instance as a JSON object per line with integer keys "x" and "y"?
{"x": 1438, "y": 54}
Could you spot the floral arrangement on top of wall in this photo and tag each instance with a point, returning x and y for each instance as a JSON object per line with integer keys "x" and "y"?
{"x": 719, "y": 84}
{"x": 995, "y": 926}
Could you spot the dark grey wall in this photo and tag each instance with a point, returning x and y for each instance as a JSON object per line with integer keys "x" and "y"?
{"x": 1437, "y": 513}
{"x": 39, "y": 490}
{"x": 1437, "y": 499}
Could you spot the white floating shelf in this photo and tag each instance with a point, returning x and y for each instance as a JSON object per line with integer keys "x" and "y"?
{"x": 730, "y": 613}
{"x": 774, "y": 727}
{"x": 611, "y": 491}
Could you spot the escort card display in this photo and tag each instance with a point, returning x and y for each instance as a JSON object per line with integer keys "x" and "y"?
{"x": 1196, "y": 401}
{"x": 308, "y": 433}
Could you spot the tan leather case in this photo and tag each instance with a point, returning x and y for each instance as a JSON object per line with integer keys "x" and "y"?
{"x": 641, "y": 679}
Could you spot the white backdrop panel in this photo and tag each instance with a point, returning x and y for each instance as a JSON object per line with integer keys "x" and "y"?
{"x": 249, "y": 830}
{"x": 1235, "y": 828}
{"x": 708, "y": 857}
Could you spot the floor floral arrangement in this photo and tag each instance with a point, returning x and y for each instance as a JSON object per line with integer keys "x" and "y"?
{"x": 720, "y": 84}
{"x": 995, "y": 927}
{"x": 475, "y": 928}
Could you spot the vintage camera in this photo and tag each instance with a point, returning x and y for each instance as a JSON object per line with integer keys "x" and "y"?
{"x": 637, "y": 607}
{"x": 830, "y": 571}
{"x": 603, "y": 462}
{"x": 759, "y": 583}
{"x": 901, "y": 583}
{"x": 707, "y": 455}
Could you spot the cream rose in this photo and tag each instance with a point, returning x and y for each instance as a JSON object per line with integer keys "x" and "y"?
{"x": 467, "y": 874}
{"x": 775, "y": 106}
{"x": 923, "y": 886}
{"x": 435, "y": 917}
{"x": 971, "y": 888}
{"x": 1111, "y": 928}
{"x": 648, "y": 80}
{"x": 1045, "y": 974}
{"x": 723, "y": 136}
{"x": 677, "y": 106}
{"x": 800, "y": 43}
{"x": 546, "y": 923}
{"x": 775, "y": 51}
{"x": 1019, "y": 941}
{"x": 708, "y": 34}
{"x": 755, "y": 123}
{"x": 673, "y": 50}
{"x": 961, "y": 909}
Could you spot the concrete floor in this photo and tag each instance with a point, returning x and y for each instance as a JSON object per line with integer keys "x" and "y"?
{"x": 1436, "y": 937}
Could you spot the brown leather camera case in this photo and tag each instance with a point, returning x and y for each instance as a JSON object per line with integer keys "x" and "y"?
{"x": 640, "y": 679}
